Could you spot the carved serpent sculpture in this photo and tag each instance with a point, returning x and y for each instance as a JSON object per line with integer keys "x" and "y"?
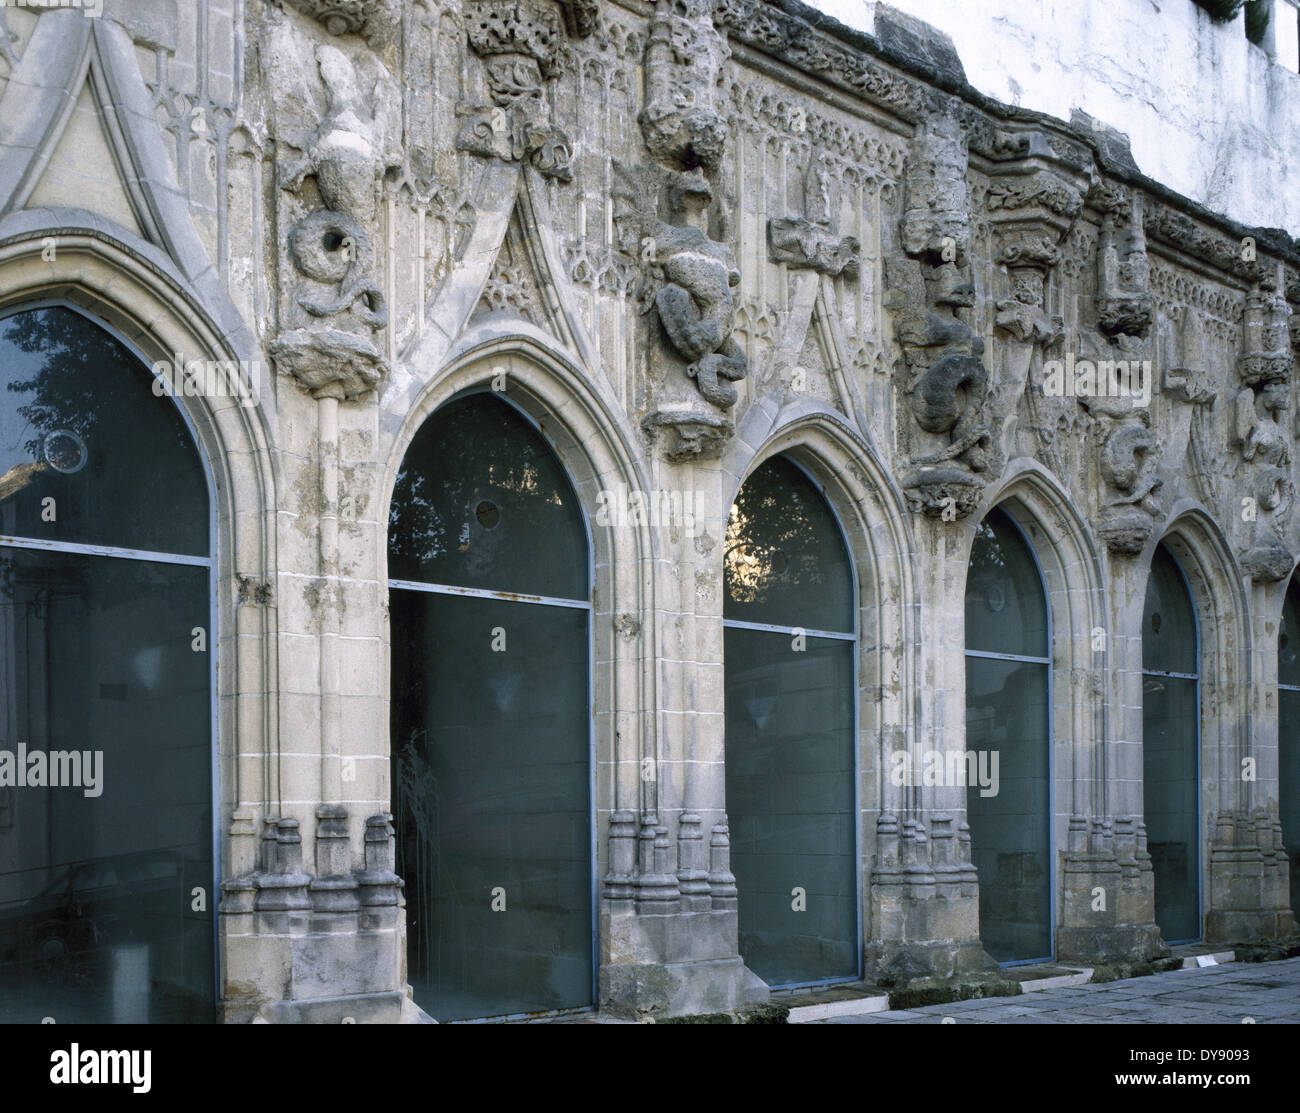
{"x": 948, "y": 398}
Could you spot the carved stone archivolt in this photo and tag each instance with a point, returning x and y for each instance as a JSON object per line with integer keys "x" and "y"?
{"x": 524, "y": 47}
{"x": 1260, "y": 433}
{"x": 945, "y": 385}
{"x": 810, "y": 241}
{"x": 338, "y": 307}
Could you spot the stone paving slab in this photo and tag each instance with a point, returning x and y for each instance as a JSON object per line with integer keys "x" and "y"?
{"x": 1266, "y": 992}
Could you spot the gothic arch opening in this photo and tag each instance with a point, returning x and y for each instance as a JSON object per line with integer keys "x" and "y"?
{"x": 1008, "y": 759}
{"x": 790, "y": 648}
{"x": 107, "y": 640}
{"x": 1171, "y": 743}
{"x": 490, "y": 608}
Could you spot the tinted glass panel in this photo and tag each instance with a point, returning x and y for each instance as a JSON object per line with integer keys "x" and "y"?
{"x": 1288, "y": 641}
{"x": 785, "y": 562}
{"x": 1006, "y": 611}
{"x": 1007, "y": 801}
{"x": 80, "y": 424}
{"x": 96, "y": 923}
{"x": 1289, "y": 786}
{"x": 1169, "y": 771}
{"x": 1288, "y": 737}
{"x": 790, "y": 804}
{"x": 481, "y": 501}
{"x": 1168, "y": 622}
{"x": 491, "y": 797}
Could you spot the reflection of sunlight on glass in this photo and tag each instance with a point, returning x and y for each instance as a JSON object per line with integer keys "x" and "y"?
{"x": 147, "y": 666}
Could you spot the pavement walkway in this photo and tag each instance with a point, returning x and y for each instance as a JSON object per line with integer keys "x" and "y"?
{"x": 1234, "y": 993}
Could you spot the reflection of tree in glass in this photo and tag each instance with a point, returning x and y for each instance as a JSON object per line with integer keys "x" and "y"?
{"x": 473, "y": 451}
{"x": 988, "y": 563}
{"x": 67, "y": 391}
{"x": 773, "y": 535}
{"x": 140, "y": 454}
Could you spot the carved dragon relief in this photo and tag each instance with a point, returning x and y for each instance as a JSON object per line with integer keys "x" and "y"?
{"x": 1129, "y": 450}
{"x": 672, "y": 221}
{"x": 946, "y": 385}
{"x": 1260, "y": 433}
{"x": 333, "y": 352}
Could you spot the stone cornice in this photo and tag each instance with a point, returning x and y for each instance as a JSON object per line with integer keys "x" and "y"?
{"x": 911, "y": 85}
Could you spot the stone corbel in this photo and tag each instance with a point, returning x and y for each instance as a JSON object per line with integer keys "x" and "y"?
{"x": 810, "y": 241}
{"x": 374, "y": 20}
{"x": 523, "y": 44}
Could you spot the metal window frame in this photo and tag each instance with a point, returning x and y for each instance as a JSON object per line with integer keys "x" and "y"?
{"x": 593, "y": 862}
{"x": 214, "y": 612}
{"x": 1018, "y": 658}
{"x": 1201, "y": 857}
{"x": 856, "y": 695}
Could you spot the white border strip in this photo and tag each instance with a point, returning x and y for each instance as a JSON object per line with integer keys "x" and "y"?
{"x": 483, "y": 593}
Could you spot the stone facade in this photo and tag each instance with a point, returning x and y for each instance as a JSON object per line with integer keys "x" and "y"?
{"x": 687, "y": 235}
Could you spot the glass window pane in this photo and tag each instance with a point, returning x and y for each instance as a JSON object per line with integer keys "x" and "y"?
{"x": 1169, "y": 793}
{"x": 80, "y": 424}
{"x": 790, "y": 770}
{"x": 785, "y": 562}
{"x": 481, "y": 501}
{"x": 1288, "y": 640}
{"x": 1168, "y": 622}
{"x": 1008, "y": 804}
{"x": 1006, "y": 611}
{"x": 1289, "y": 785}
{"x": 96, "y": 923}
{"x": 491, "y": 799}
